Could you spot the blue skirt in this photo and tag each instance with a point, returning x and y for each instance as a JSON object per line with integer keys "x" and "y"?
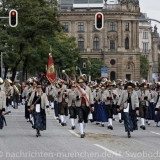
{"x": 130, "y": 120}
{"x": 101, "y": 113}
{"x": 151, "y": 110}
{"x": 40, "y": 120}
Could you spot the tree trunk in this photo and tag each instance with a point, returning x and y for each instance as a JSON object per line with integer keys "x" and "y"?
{"x": 5, "y": 72}
{"x": 14, "y": 73}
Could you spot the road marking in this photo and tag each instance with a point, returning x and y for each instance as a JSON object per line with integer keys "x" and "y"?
{"x": 108, "y": 150}
{"x": 74, "y": 133}
{"x": 155, "y": 133}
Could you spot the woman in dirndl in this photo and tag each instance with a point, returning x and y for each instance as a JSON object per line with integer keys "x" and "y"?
{"x": 101, "y": 113}
{"x": 129, "y": 99}
{"x": 40, "y": 101}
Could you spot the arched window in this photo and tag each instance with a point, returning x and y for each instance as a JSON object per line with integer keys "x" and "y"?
{"x": 81, "y": 43}
{"x": 112, "y": 76}
{"x": 112, "y": 26}
{"x": 96, "y": 43}
{"x": 127, "y": 43}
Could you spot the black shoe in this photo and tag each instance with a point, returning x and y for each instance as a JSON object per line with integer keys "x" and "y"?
{"x": 111, "y": 127}
{"x": 102, "y": 125}
{"x": 37, "y": 135}
{"x": 120, "y": 121}
{"x": 91, "y": 120}
{"x": 129, "y": 135}
{"x": 82, "y": 135}
{"x": 147, "y": 122}
{"x": 144, "y": 127}
{"x": 73, "y": 127}
{"x": 113, "y": 119}
{"x": 97, "y": 123}
{"x": 65, "y": 124}
{"x": 59, "y": 121}
{"x": 62, "y": 124}
{"x": 33, "y": 127}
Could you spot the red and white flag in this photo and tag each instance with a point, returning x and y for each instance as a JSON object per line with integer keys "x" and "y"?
{"x": 51, "y": 75}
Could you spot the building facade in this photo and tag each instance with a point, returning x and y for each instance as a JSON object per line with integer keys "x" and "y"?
{"x": 117, "y": 44}
{"x": 148, "y": 39}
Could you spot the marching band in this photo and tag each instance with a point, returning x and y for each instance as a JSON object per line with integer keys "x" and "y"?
{"x": 82, "y": 100}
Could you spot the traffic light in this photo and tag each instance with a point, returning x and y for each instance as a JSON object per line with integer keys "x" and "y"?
{"x": 99, "y": 20}
{"x": 13, "y": 18}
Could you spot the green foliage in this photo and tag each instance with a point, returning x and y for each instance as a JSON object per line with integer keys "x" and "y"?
{"x": 144, "y": 66}
{"x": 28, "y": 44}
{"x": 93, "y": 67}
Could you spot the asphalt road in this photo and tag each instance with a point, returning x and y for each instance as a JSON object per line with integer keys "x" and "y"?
{"x": 18, "y": 141}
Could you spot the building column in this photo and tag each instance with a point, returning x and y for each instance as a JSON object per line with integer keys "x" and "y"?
{"x": 122, "y": 34}
{"x": 88, "y": 34}
{"x": 73, "y": 28}
{"x": 119, "y": 33}
{"x": 137, "y": 34}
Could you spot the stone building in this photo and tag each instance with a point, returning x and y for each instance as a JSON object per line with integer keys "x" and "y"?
{"x": 117, "y": 44}
{"x": 148, "y": 42}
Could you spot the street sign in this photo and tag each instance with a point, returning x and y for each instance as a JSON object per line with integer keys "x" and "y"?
{"x": 104, "y": 72}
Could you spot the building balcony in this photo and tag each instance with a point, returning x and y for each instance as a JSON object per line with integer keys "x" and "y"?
{"x": 112, "y": 7}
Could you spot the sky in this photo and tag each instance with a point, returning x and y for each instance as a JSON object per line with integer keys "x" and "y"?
{"x": 152, "y": 8}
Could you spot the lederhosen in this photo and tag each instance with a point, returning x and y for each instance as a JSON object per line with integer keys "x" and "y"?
{"x": 109, "y": 107}
{"x": 72, "y": 110}
{"x": 143, "y": 108}
{"x": 63, "y": 107}
{"x": 83, "y": 111}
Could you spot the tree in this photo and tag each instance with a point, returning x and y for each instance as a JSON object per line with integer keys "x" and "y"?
{"x": 144, "y": 66}
{"x": 29, "y": 43}
{"x": 93, "y": 67}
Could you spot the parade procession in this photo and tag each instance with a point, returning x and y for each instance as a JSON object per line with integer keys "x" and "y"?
{"x": 75, "y": 102}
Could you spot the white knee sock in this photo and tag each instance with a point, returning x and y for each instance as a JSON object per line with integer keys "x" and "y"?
{"x": 119, "y": 115}
{"x": 62, "y": 118}
{"x": 65, "y": 119}
{"x": 52, "y": 105}
{"x": 110, "y": 122}
{"x": 72, "y": 122}
{"x": 81, "y": 128}
{"x": 84, "y": 126}
{"x": 142, "y": 122}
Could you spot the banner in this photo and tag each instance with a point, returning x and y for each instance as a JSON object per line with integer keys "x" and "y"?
{"x": 51, "y": 75}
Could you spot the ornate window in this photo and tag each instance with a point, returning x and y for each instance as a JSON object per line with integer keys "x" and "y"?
{"x": 80, "y": 26}
{"x": 81, "y": 43}
{"x": 96, "y": 43}
{"x": 112, "y": 76}
{"x": 127, "y": 43}
{"x": 66, "y": 26}
{"x": 145, "y": 35}
{"x": 112, "y": 26}
{"x": 112, "y": 44}
{"x": 127, "y": 27}
{"x": 112, "y": 62}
